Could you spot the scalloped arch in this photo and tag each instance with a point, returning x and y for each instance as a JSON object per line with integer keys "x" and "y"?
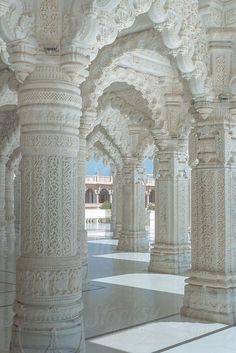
{"x": 146, "y": 84}
{"x": 178, "y": 22}
{"x": 108, "y": 57}
{"x": 14, "y": 159}
{"x": 100, "y": 137}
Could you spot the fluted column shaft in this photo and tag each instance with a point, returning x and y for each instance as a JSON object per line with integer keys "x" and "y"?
{"x": 49, "y": 275}
{"x": 82, "y": 233}
{"x": 210, "y": 292}
{"x": 133, "y": 235}
{"x": 171, "y": 251}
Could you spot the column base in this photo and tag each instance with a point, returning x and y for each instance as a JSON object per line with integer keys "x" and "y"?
{"x": 117, "y": 231}
{"x": 210, "y": 297}
{"x": 133, "y": 242}
{"x": 64, "y": 340}
{"x": 6, "y": 319}
{"x": 48, "y": 306}
{"x": 170, "y": 259}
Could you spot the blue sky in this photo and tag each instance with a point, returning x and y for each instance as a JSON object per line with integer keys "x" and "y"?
{"x": 97, "y": 167}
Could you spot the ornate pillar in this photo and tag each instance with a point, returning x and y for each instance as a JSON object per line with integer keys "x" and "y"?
{"x": 3, "y": 238}
{"x": 6, "y": 312}
{"x": 171, "y": 252}
{"x": 82, "y": 233}
{"x": 210, "y": 292}
{"x": 117, "y": 202}
{"x": 133, "y": 236}
{"x": 113, "y": 204}
{"x": 9, "y": 210}
{"x": 17, "y": 209}
{"x": 49, "y": 274}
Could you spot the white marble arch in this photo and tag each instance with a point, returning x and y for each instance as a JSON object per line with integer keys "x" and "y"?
{"x": 119, "y": 108}
{"x": 58, "y": 58}
{"x": 120, "y": 72}
{"x": 181, "y": 33}
{"x": 79, "y": 29}
{"x": 103, "y": 74}
{"x": 110, "y": 57}
{"x": 171, "y": 29}
{"x": 99, "y": 140}
{"x": 129, "y": 100}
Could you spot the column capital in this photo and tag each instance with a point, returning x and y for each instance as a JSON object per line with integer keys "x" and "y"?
{"x": 204, "y": 106}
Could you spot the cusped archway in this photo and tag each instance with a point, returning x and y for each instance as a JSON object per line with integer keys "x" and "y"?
{"x": 104, "y": 196}
{"x": 90, "y": 196}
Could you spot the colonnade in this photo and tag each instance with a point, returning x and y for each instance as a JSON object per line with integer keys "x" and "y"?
{"x": 208, "y": 259}
{"x": 47, "y": 70}
{"x": 53, "y": 264}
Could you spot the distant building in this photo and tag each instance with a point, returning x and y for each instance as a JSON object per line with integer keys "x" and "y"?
{"x": 99, "y": 189}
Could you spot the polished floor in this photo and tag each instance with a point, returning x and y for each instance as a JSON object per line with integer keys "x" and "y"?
{"x": 127, "y": 309}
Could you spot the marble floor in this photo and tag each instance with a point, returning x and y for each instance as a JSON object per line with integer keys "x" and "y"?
{"x": 127, "y": 309}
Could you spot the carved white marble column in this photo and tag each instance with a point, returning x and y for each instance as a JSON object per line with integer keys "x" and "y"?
{"x": 3, "y": 239}
{"x": 133, "y": 236}
{"x": 117, "y": 200}
{"x": 82, "y": 233}
{"x": 6, "y": 313}
{"x": 9, "y": 210}
{"x": 49, "y": 274}
{"x": 113, "y": 205}
{"x": 210, "y": 293}
{"x": 17, "y": 209}
{"x": 171, "y": 252}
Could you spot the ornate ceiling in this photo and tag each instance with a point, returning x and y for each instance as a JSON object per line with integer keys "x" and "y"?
{"x": 138, "y": 63}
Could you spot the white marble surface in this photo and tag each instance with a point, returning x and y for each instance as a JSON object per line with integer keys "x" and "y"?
{"x": 123, "y": 301}
{"x": 151, "y": 281}
{"x": 155, "y": 336}
{"x": 104, "y": 241}
{"x": 6, "y": 287}
{"x": 135, "y": 256}
{"x": 221, "y": 342}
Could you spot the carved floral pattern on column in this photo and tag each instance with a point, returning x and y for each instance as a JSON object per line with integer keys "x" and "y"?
{"x": 210, "y": 293}
{"x": 49, "y": 268}
{"x": 45, "y": 177}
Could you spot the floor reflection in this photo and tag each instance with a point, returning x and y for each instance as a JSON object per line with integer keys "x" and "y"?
{"x": 135, "y": 311}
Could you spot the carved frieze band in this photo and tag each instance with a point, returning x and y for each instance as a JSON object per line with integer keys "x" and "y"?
{"x": 57, "y": 280}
